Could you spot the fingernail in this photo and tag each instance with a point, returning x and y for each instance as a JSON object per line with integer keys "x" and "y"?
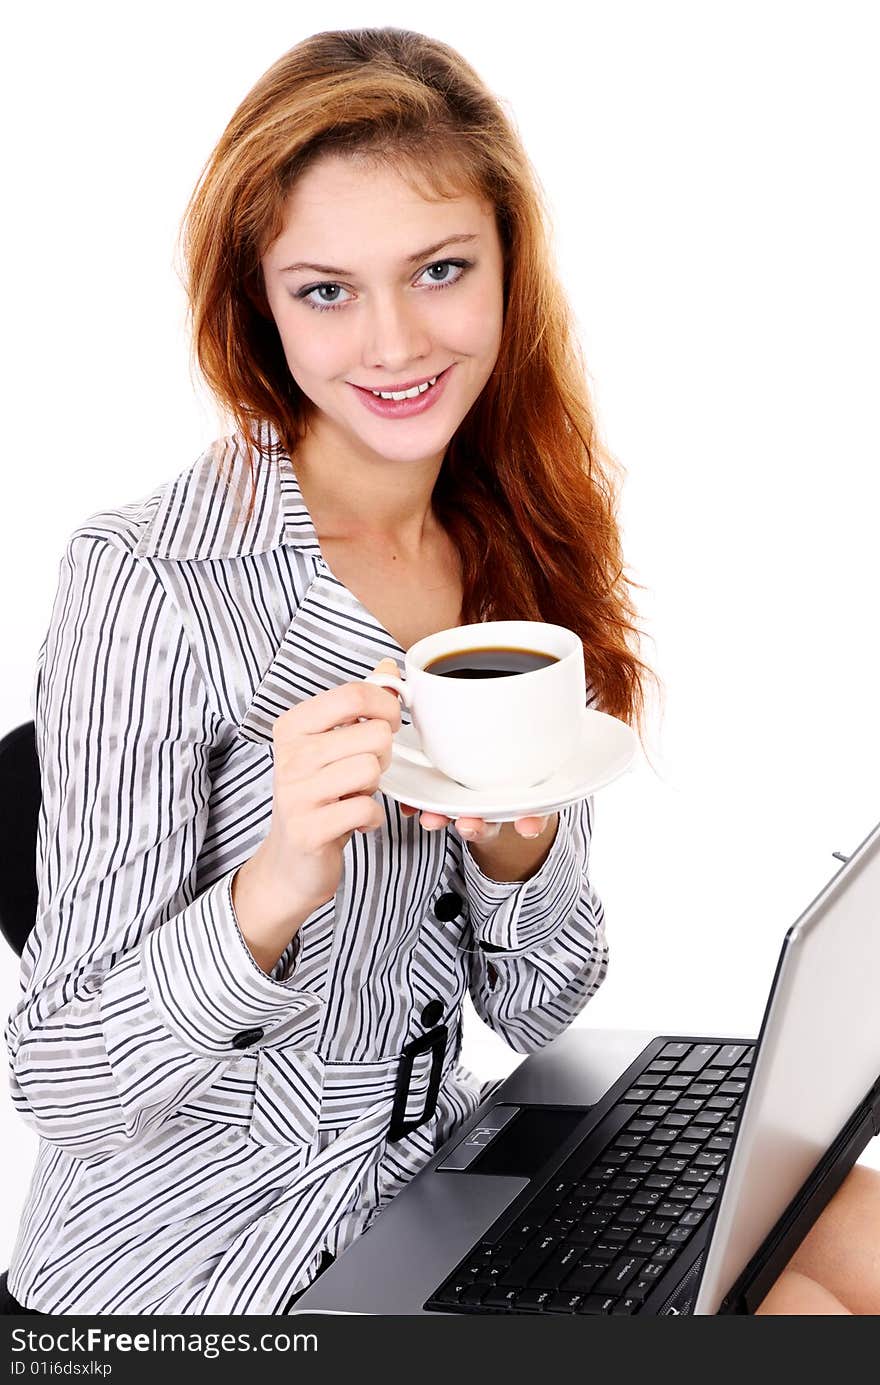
{"x": 530, "y": 836}
{"x": 467, "y": 832}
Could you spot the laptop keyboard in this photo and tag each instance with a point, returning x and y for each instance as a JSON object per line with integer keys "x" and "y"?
{"x": 599, "y": 1236}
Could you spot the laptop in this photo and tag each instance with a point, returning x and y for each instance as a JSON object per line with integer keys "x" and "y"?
{"x": 625, "y": 1172}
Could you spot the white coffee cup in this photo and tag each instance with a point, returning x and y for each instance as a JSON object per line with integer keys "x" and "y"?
{"x": 512, "y": 731}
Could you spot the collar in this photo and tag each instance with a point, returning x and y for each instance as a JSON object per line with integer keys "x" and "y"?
{"x": 199, "y": 515}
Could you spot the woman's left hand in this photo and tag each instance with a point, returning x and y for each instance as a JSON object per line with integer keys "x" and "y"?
{"x": 477, "y": 829}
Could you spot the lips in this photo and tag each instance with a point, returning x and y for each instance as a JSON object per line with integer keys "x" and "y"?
{"x": 404, "y": 408}
{"x": 398, "y": 389}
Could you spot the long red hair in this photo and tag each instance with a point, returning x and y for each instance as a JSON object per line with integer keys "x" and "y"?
{"x": 527, "y": 491}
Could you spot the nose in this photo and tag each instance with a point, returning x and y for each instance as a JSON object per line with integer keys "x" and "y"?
{"x": 396, "y": 336}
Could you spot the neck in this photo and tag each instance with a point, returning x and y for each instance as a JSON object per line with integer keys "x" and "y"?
{"x": 356, "y": 498}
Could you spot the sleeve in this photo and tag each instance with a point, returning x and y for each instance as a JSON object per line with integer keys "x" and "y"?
{"x": 539, "y": 946}
{"x": 133, "y": 987}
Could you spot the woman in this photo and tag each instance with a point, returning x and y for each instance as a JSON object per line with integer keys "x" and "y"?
{"x": 237, "y": 933}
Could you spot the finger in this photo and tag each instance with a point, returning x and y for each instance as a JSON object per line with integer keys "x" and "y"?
{"x": 315, "y": 752}
{"x": 359, "y": 774}
{"x": 339, "y": 707}
{"x": 432, "y": 821}
{"x": 530, "y": 827}
{"x": 407, "y": 809}
{"x": 477, "y": 829}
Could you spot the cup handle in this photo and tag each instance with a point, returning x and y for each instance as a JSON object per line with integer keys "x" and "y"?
{"x": 395, "y": 684}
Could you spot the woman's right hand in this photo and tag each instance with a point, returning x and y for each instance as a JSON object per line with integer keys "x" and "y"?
{"x": 327, "y": 767}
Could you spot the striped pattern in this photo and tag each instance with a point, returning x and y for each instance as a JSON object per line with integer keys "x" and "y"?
{"x": 177, "y": 1173}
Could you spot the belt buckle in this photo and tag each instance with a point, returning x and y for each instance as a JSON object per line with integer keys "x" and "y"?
{"x": 435, "y": 1040}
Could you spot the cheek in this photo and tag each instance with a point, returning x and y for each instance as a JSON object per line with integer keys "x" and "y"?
{"x": 310, "y": 353}
{"x": 477, "y": 325}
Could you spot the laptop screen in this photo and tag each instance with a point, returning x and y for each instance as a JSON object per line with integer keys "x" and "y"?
{"x": 818, "y": 1056}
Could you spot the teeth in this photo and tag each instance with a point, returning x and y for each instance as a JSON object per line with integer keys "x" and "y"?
{"x": 406, "y": 394}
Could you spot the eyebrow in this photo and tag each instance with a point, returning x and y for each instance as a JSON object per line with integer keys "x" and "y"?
{"x": 410, "y": 259}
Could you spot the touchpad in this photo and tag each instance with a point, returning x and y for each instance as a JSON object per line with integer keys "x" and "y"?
{"x": 515, "y": 1140}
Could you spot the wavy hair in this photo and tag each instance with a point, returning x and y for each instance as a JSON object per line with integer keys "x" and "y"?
{"x": 526, "y": 491}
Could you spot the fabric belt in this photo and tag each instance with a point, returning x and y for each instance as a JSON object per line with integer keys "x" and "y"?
{"x": 299, "y": 1093}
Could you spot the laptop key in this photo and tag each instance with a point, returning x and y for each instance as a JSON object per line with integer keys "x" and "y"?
{"x": 718, "y": 1144}
{"x": 678, "y": 1235}
{"x": 604, "y": 1250}
{"x": 660, "y": 1181}
{"x": 474, "y": 1293}
{"x": 741, "y": 1074}
{"x": 626, "y": 1305}
{"x": 684, "y": 1148}
{"x": 653, "y": 1151}
{"x": 551, "y": 1274}
{"x": 632, "y": 1216}
{"x": 696, "y": 1177}
{"x": 643, "y": 1245}
{"x": 691, "y": 1218}
{"x": 729, "y": 1055}
{"x": 617, "y": 1235}
{"x": 656, "y": 1226}
{"x": 675, "y": 1050}
{"x": 731, "y": 1088}
{"x": 638, "y": 1094}
{"x": 498, "y": 1297}
{"x": 721, "y": 1103}
{"x": 709, "y": 1161}
{"x": 660, "y": 1065}
{"x": 615, "y": 1279}
{"x": 666, "y": 1135}
{"x": 530, "y": 1261}
{"x": 663, "y": 1254}
{"x": 698, "y": 1058}
{"x": 639, "y": 1166}
{"x": 672, "y": 1165}
{"x": 585, "y": 1276}
{"x": 670, "y": 1209}
{"x": 688, "y": 1104}
{"x": 616, "y": 1156}
{"x": 596, "y": 1303}
{"x": 531, "y": 1299}
{"x": 702, "y": 1203}
{"x": 561, "y": 1302}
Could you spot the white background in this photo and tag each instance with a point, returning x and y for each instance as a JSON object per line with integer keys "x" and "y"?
{"x": 711, "y": 171}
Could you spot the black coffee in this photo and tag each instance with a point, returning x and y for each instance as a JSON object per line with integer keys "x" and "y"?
{"x": 498, "y": 662}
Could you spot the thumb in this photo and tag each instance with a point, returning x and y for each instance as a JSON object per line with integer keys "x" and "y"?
{"x": 387, "y": 665}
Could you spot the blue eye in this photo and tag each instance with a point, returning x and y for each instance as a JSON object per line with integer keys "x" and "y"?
{"x": 324, "y": 307}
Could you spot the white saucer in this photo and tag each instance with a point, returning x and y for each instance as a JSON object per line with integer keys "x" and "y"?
{"x": 605, "y": 752}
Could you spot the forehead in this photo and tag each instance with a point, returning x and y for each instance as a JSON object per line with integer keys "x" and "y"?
{"x": 347, "y": 194}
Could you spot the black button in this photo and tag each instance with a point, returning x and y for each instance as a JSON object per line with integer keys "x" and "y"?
{"x": 246, "y": 1037}
{"x": 433, "y": 1012}
{"x": 447, "y": 907}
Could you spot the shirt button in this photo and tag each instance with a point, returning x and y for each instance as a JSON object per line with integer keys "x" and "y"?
{"x": 447, "y": 907}
{"x": 432, "y": 1013}
{"x": 246, "y": 1037}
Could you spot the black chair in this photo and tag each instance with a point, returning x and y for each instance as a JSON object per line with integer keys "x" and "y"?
{"x": 20, "y": 798}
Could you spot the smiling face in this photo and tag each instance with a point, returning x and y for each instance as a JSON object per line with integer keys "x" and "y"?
{"x": 405, "y": 290}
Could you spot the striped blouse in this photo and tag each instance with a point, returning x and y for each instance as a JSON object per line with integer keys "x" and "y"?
{"x": 208, "y": 1130}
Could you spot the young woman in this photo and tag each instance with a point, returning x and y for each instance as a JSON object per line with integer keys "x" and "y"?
{"x": 237, "y": 933}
